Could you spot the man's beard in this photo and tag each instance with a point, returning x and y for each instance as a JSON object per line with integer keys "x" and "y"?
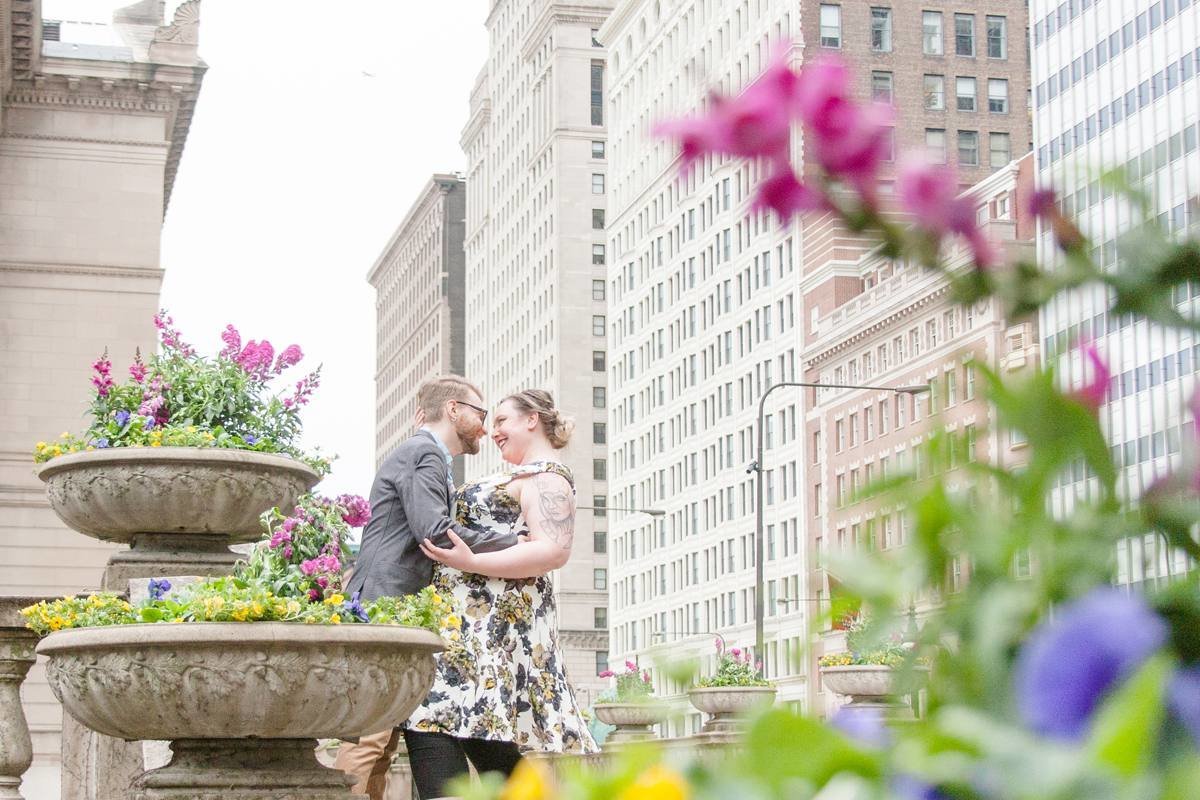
{"x": 468, "y": 438}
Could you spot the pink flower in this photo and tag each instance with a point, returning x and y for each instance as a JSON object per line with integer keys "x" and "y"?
{"x": 323, "y": 582}
{"x": 233, "y": 342}
{"x": 314, "y": 595}
{"x": 736, "y": 652}
{"x": 304, "y": 389}
{"x": 1092, "y": 393}
{"x": 608, "y": 673}
{"x": 290, "y": 356}
{"x": 356, "y": 511}
{"x": 929, "y": 192}
{"x": 102, "y": 380}
{"x": 1042, "y": 204}
{"x": 137, "y": 370}
{"x": 720, "y": 646}
{"x": 255, "y": 358}
{"x": 170, "y": 337}
{"x": 287, "y": 551}
{"x": 850, "y": 141}
{"x": 784, "y": 194}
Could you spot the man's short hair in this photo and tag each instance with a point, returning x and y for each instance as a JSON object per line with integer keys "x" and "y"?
{"x": 434, "y": 393}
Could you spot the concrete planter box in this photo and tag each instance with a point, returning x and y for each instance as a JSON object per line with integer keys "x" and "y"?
{"x": 725, "y": 704}
{"x": 243, "y": 703}
{"x": 871, "y": 686}
{"x": 119, "y": 493}
{"x": 632, "y": 720}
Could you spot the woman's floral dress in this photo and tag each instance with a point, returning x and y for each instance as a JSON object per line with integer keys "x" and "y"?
{"x": 503, "y": 677}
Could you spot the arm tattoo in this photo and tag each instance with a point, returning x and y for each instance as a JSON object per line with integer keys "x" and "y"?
{"x": 558, "y": 510}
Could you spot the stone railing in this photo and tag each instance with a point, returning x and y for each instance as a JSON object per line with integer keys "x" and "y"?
{"x": 16, "y": 657}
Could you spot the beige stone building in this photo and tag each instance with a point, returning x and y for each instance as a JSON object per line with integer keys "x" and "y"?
{"x": 420, "y": 298}
{"x": 536, "y": 170}
{"x": 94, "y": 112}
{"x": 903, "y": 329}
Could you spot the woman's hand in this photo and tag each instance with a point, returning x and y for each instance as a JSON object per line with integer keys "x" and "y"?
{"x": 458, "y": 556}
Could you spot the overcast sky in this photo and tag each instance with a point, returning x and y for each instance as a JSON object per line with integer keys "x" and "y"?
{"x": 317, "y": 125}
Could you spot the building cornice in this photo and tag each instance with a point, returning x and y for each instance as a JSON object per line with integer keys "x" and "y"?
{"x": 621, "y": 16}
{"x": 584, "y": 639}
{"x": 25, "y": 36}
{"x": 434, "y": 191}
{"x": 106, "y": 271}
{"x": 824, "y": 350}
{"x": 554, "y": 14}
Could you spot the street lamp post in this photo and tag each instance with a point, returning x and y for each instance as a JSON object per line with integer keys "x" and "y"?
{"x": 757, "y": 467}
{"x": 654, "y": 512}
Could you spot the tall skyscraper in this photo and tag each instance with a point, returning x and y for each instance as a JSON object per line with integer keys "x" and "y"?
{"x": 1115, "y": 84}
{"x": 710, "y": 305}
{"x": 420, "y": 286}
{"x": 537, "y": 168}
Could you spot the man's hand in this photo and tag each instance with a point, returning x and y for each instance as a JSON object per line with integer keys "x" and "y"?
{"x": 458, "y": 556}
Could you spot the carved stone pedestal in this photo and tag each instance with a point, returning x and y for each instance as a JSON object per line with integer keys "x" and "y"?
{"x": 241, "y": 769}
{"x": 16, "y": 657}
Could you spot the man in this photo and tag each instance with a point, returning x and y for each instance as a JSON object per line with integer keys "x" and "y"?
{"x": 410, "y": 500}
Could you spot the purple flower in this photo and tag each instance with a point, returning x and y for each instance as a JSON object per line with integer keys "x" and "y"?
{"x": 158, "y": 589}
{"x": 354, "y": 607}
{"x": 121, "y": 417}
{"x": 249, "y": 438}
{"x": 101, "y": 443}
{"x": 1183, "y": 698}
{"x": 102, "y": 380}
{"x": 1071, "y": 661}
{"x": 910, "y": 787}
{"x": 863, "y": 725}
{"x": 287, "y": 551}
{"x": 356, "y": 511}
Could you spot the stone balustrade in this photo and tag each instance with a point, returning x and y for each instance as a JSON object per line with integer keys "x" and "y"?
{"x": 16, "y": 657}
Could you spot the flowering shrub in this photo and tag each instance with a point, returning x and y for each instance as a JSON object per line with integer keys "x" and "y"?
{"x": 1050, "y": 684}
{"x": 293, "y": 575}
{"x": 631, "y": 686}
{"x": 182, "y": 399}
{"x": 864, "y": 647}
{"x": 735, "y": 667}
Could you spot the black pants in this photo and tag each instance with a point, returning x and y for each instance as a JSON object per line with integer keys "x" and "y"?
{"x": 437, "y": 758}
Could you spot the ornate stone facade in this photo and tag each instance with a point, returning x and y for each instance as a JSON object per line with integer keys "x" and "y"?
{"x": 90, "y": 139}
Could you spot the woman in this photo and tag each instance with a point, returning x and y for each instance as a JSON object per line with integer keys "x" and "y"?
{"x": 501, "y": 687}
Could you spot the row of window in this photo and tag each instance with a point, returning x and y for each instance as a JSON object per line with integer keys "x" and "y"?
{"x": 967, "y": 143}
{"x": 966, "y": 92}
{"x": 932, "y": 33}
{"x": 1149, "y": 20}
{"x": 1176, "y": 74}
{"x": 1133, "y": 452}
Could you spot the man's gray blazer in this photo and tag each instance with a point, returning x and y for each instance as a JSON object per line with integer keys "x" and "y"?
{"x": 410, "y": 501}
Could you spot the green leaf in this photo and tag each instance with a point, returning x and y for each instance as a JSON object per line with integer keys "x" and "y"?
{"x": 782, "y": 747}
{"x": 1125, "y": 731}
{"x": 151, "y": 614}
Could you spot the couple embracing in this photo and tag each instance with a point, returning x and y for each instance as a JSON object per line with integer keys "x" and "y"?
{"x": 500, "y": 689}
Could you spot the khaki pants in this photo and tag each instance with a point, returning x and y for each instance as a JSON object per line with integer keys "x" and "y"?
{"x": 368, "y": 761}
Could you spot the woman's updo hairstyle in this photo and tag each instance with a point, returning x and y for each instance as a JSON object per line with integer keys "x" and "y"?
{"x": 556, "y": 425}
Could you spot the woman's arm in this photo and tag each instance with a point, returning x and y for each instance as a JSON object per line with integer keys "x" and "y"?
{"x": 548, "y": 505}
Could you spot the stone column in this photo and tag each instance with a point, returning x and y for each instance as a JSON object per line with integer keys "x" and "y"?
{"x": 16, "y": 657}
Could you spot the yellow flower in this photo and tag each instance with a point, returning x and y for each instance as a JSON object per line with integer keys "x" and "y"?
{"x": 156, "y": 444}
{"x": 529, "y": 781}
{"x": 293, "y": 607}
{"x": 191, "y": 428}
{"x": 657, "y": 783}
{"x": 41, "y": 445}
{"x": 257, "y": 608}
{"x": 64, "y": 435}
{"x": 455, "y": 636}
{"x": 336, "y": 619}
{"x": 452, "y": 621}
{"x": 334, "y": 599}
{"x": 58, "y": 451}
{"x": 437, "y": 600}
{"x": 89, "y": 448}
{"x": 239, "y": 615}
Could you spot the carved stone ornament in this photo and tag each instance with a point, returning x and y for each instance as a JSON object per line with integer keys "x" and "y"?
{"x": 184, "y": 28}
{"x": 632, "y": 720}
{"x": 117, "y": 493}
{"x": 724, "y": 704}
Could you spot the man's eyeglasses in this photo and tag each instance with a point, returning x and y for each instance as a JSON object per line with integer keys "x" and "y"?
{"x": 482, "y": 411}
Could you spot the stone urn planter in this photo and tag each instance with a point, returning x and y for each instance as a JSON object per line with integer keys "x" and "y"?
{"x": 725, "y": 705}
{"x": 242, "y": 703}
{"x": 178, "y": 508}
{"x": 875, "y": 687}
{"x": 633, "y": 721}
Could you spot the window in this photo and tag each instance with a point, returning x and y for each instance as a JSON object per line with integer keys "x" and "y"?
{"x": 598, "y": 291}
{"x": 600, "y": 618}
{"x": 998, "y": 95}
{"x": 881, "y": 86}
{"x": 598, "y": 325}
{"x": 595, "y": 40}
{"x": 599, "y": 469}
{"x": 599, "y": 505}
{"x": 601, "y": 662}
{"x": 881, "y": 30}
{"x": 597, "y": 86}
{"x": 968, "y": 148}
{"x": 598, "y": 254}
{"x": 964, "y": 34}
{"x": 997, "y": 37}
{"x": 931, "y": 33}
{"x": 935, "y": 143}
{"x": 599, "y": 397}
{"x": 597, "y": 219}
{"x": 597, "y": 183}
{"x": 968, "y": 382}
{"x": 935, "y": 93}
{"x": 999, "y": 150}
{"x": 964, "y": 90}
{"x": 597, "y": 149}
{"x": 831, "y": 25}
{"x": 598, "y": 360}
{"x": 600, "y": 579}
{"x": 599, "y": 433}
{"x": 951, "y": 387}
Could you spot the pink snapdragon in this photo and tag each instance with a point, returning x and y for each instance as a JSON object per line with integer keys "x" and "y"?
{"x": 929, "y": 192}
{"x": 138, "y": 369}
{"x": 233, "y": 342}
{"x": 1092, "y": 393}
{"x": 784, "y": 194}
{"x": 256, "y": 358}
{"x": 154, "y": 403}
{"x": 170, "y": 337}
{"x": 102, "y": 380}
{"x": 356, "y": 511}
{"x": 321, "y": 564}
{"x": 304, "y": 389}
{"x": 290, "y": 356}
